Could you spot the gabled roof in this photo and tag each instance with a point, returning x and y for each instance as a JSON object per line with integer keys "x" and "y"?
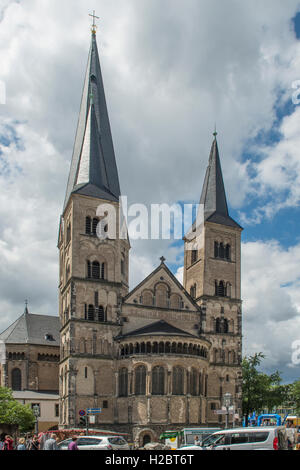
{"x": 93, "y": 169}
{"x": 213, "y": 195}
{"x": 160, "y": 328}
{"x": 172, "y": 278}
{"x": 32, "y": 329}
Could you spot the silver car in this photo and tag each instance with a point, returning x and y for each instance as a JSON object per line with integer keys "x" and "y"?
{"x": 97, "y": 443}
{"x": 252, "y": 438}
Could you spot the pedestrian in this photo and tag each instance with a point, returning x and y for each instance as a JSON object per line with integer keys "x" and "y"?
{"x": 8, "y": 443}
{"x": 34, "y": 445}
{"x": 196, "y": 441}
{"x": 21, "y": 445}
{"x": 51, "y": 444}
{"x": 73, "y": 445}
{"x": 291, "y": 436}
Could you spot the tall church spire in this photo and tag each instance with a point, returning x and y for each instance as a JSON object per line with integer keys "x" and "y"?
{"x": 93, "y": 169}
{"x": 213, "y": 193}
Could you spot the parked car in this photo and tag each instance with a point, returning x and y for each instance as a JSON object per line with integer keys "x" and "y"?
{"x": 97, "y": 443}
{"x": 253, "y": 438}
{"x": 189, "y": 447}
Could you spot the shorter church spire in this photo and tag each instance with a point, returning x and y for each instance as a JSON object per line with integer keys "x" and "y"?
{"x": 213, "y": 195}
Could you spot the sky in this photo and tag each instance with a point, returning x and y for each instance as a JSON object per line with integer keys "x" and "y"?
{"x": 171, "y": 74}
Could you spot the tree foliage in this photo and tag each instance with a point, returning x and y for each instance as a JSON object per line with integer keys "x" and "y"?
{"x": 13, "y": 412}
{"x": 260, "y": 390}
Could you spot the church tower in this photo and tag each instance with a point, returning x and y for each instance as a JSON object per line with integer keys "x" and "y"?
{"x": 93, "y": 270}
{"x": 212, "y": 276}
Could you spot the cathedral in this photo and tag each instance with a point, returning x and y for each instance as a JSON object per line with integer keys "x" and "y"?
{"x": 162, "y": 355}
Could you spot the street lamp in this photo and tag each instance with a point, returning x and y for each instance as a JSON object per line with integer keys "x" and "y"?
{"x": 227, "y": 402}
{"x": 36, "y": 412}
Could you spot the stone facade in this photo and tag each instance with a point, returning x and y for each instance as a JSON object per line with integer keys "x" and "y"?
{"x": 157, "y": 325}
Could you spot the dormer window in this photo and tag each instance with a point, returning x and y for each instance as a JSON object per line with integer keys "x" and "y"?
{"x": 49, "y": 337}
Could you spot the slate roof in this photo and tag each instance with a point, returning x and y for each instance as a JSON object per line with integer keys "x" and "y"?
{"x": 213, "y": 193}
{"x": 93, "y": 169}
{"x": 160, "y": 328}
{"x": 32, "y": 329}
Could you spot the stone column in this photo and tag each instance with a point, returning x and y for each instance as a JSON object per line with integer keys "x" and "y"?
{"x": 72, "y": 397}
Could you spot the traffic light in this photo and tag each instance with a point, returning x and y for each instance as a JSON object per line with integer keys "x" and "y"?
{"x": 82, "y": 421}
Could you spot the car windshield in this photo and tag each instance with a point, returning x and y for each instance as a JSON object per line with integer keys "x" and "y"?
{"x": 212, "y": 440}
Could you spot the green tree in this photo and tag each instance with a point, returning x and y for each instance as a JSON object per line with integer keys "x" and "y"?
{"x": 13, "y": 412}
{"x": 295, "y": 396}
{"x": 260, "y": 390}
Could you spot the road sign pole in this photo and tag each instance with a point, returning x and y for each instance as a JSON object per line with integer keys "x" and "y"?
{"x": 87, "y": 425}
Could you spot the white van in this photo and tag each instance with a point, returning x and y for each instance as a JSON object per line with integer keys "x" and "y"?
{"x": 253, "y": 438}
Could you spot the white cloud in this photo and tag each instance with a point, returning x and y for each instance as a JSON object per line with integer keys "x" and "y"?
{"x": 271, "y": 302}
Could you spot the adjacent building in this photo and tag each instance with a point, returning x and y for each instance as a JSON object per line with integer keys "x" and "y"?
{"x": 29, "y": 364}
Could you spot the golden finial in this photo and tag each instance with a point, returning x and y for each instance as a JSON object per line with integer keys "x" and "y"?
{"x": 215, "y": 133}
{"x": 94, "y": 26}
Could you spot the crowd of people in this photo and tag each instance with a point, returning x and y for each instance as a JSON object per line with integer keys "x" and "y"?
{"x": 35, "y": 443}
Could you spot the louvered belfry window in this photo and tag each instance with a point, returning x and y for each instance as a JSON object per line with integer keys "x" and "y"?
{"x": 96, "y": 270}
{"x": 88, "y": 225}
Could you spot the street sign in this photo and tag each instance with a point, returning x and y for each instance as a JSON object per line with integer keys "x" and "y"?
{"x": 93, "y": 411}
{"x": 222, "y": 412}
{"x": 81, "y": 413}
{"x": 92, "y": 419}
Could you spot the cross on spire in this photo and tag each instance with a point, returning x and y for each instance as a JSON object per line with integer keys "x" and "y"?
{"x": 26, "y": 306}
{"x": 162, "y": 259}
{"x": 94, "y": 26}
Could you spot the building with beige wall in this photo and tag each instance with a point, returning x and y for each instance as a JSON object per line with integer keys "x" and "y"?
{"x": 48, "y": 404}
{"x": 164, "y": 354}
{"x": 30, "y": 354}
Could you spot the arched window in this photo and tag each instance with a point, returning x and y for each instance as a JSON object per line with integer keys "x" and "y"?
{"x": 228, "y": 252}
{"x": 158, "y": 381}
{"x": 101, "y": 314}
{"x": 216, "y": 250}
{"x": 122, "y": 267}
{"x": 218, "y": 325}
{"x": 140, "y": 380}
{"x": 178, "y": 376}
{"x": 194, "y": 382}
{"x": 68, "y": 233}
{"x": 147, "y": 298}
{"x": 221, "y": 251}
{"x": 193, "y": 291}
{"x": 94, "y": 227}
{"x": 88, "y": 225}
{"x": 103, "y": 271}
{"x": 123, "y": 382}
{"x": 162, "y": 296}
{"x": 225, "y": 326}
{"x": 96, "y": 270}
{"x": 221, "y": 289}
{"x": 91, "y": 313}
{"x": 16, "y": 380}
